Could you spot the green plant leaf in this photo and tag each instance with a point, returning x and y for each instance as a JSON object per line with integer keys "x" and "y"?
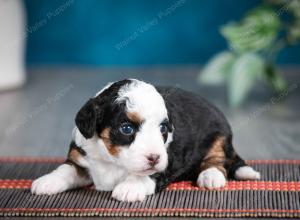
{"x": 256, "y": 31}
{"x": 217, "y": 69}
{"x": 275, "y": 78}
{"x": 245, "y": 70}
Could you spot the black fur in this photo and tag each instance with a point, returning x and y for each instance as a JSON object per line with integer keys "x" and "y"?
{"x": 169, "y": 129}
{"x": 115, "y": 119}
{"x": 77, "y": 148}
{"x": 95, "y": 113}
{"x": 103, "y": 112}
{"x": 87, "y": 117}
{"x": 196, "y": 125}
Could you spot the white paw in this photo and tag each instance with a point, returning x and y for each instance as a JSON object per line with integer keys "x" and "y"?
{"x": 49, "y": 184}
{"x": 211, "y": 178}
{"x": 246, "y": 173}
{"x": 134, "y": 189}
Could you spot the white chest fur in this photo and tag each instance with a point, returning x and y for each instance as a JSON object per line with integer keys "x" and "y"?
{"x": 105, "y": 175}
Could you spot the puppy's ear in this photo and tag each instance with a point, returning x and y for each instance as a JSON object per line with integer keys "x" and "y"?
{"x": 87, "y": 118}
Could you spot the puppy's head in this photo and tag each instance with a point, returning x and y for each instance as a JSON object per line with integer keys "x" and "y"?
{"x": 130, "y": 123}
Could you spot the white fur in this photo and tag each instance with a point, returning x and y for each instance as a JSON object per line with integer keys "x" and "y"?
{"x": 143, "y": 98}
{"x": 211, "y": 178}
{"x": 247, "y": 173}
{"x": 134, "y": 188}
{"x": 79, "y": 139}
{"x": 63, "y": 178}
{"x": 106, "y": 175}
{"x": 101, "y": 163}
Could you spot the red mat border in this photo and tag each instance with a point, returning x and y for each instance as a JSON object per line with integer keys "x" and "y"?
{"x": 186, "y": 185}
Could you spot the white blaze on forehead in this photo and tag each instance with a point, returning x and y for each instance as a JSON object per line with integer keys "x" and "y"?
{"x": 144, "y": 99}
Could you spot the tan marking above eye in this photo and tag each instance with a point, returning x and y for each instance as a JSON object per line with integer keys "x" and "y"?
{"x": 135, "y": 117}
{"x": 112, "y": 149}
{"x": 105, "y": 133}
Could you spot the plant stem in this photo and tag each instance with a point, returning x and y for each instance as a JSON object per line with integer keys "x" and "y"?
{"x": 272, "y": 52}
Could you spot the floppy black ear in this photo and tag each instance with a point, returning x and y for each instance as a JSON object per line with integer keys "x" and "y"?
{"x": 87, "y": 118}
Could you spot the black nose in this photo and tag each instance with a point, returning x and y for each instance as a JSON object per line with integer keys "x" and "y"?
{"x": 153, "y": 159}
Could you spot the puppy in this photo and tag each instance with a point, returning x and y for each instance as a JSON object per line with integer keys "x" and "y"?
{"x": 135, "y": 139}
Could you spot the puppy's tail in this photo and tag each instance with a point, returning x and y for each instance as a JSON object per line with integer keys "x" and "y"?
{"x": 238, "y": 169}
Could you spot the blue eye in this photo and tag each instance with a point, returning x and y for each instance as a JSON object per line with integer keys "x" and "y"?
{"x": 126, "y": 129}
{"x": 163, "y": 128}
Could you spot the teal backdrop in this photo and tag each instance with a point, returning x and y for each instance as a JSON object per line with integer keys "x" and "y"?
{"x": 131, "y": 32}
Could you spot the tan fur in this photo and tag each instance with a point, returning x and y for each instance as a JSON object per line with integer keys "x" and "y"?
{"x": 215, "y": 156}
{"x": 74, "y": 155}
{"x": 135, "y": 117}
{"x": 73, "y": 160}
{"x": 112, "y": 149}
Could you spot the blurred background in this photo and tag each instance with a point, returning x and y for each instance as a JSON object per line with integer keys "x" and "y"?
{"x": 242, "y": 56}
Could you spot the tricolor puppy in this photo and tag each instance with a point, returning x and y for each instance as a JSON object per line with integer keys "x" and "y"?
{"x": 134, "y": 139}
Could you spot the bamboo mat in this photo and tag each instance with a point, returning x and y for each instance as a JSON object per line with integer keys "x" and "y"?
{"x": 277, "y": 194}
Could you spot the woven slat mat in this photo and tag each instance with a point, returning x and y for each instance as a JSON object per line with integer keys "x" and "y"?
{"x": 277, "y": 194}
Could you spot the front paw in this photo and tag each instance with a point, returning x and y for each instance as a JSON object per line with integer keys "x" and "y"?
{"x": 211, "y": 178}
{"x": 49, "y": 184}
{"x": 134, "y": 189}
